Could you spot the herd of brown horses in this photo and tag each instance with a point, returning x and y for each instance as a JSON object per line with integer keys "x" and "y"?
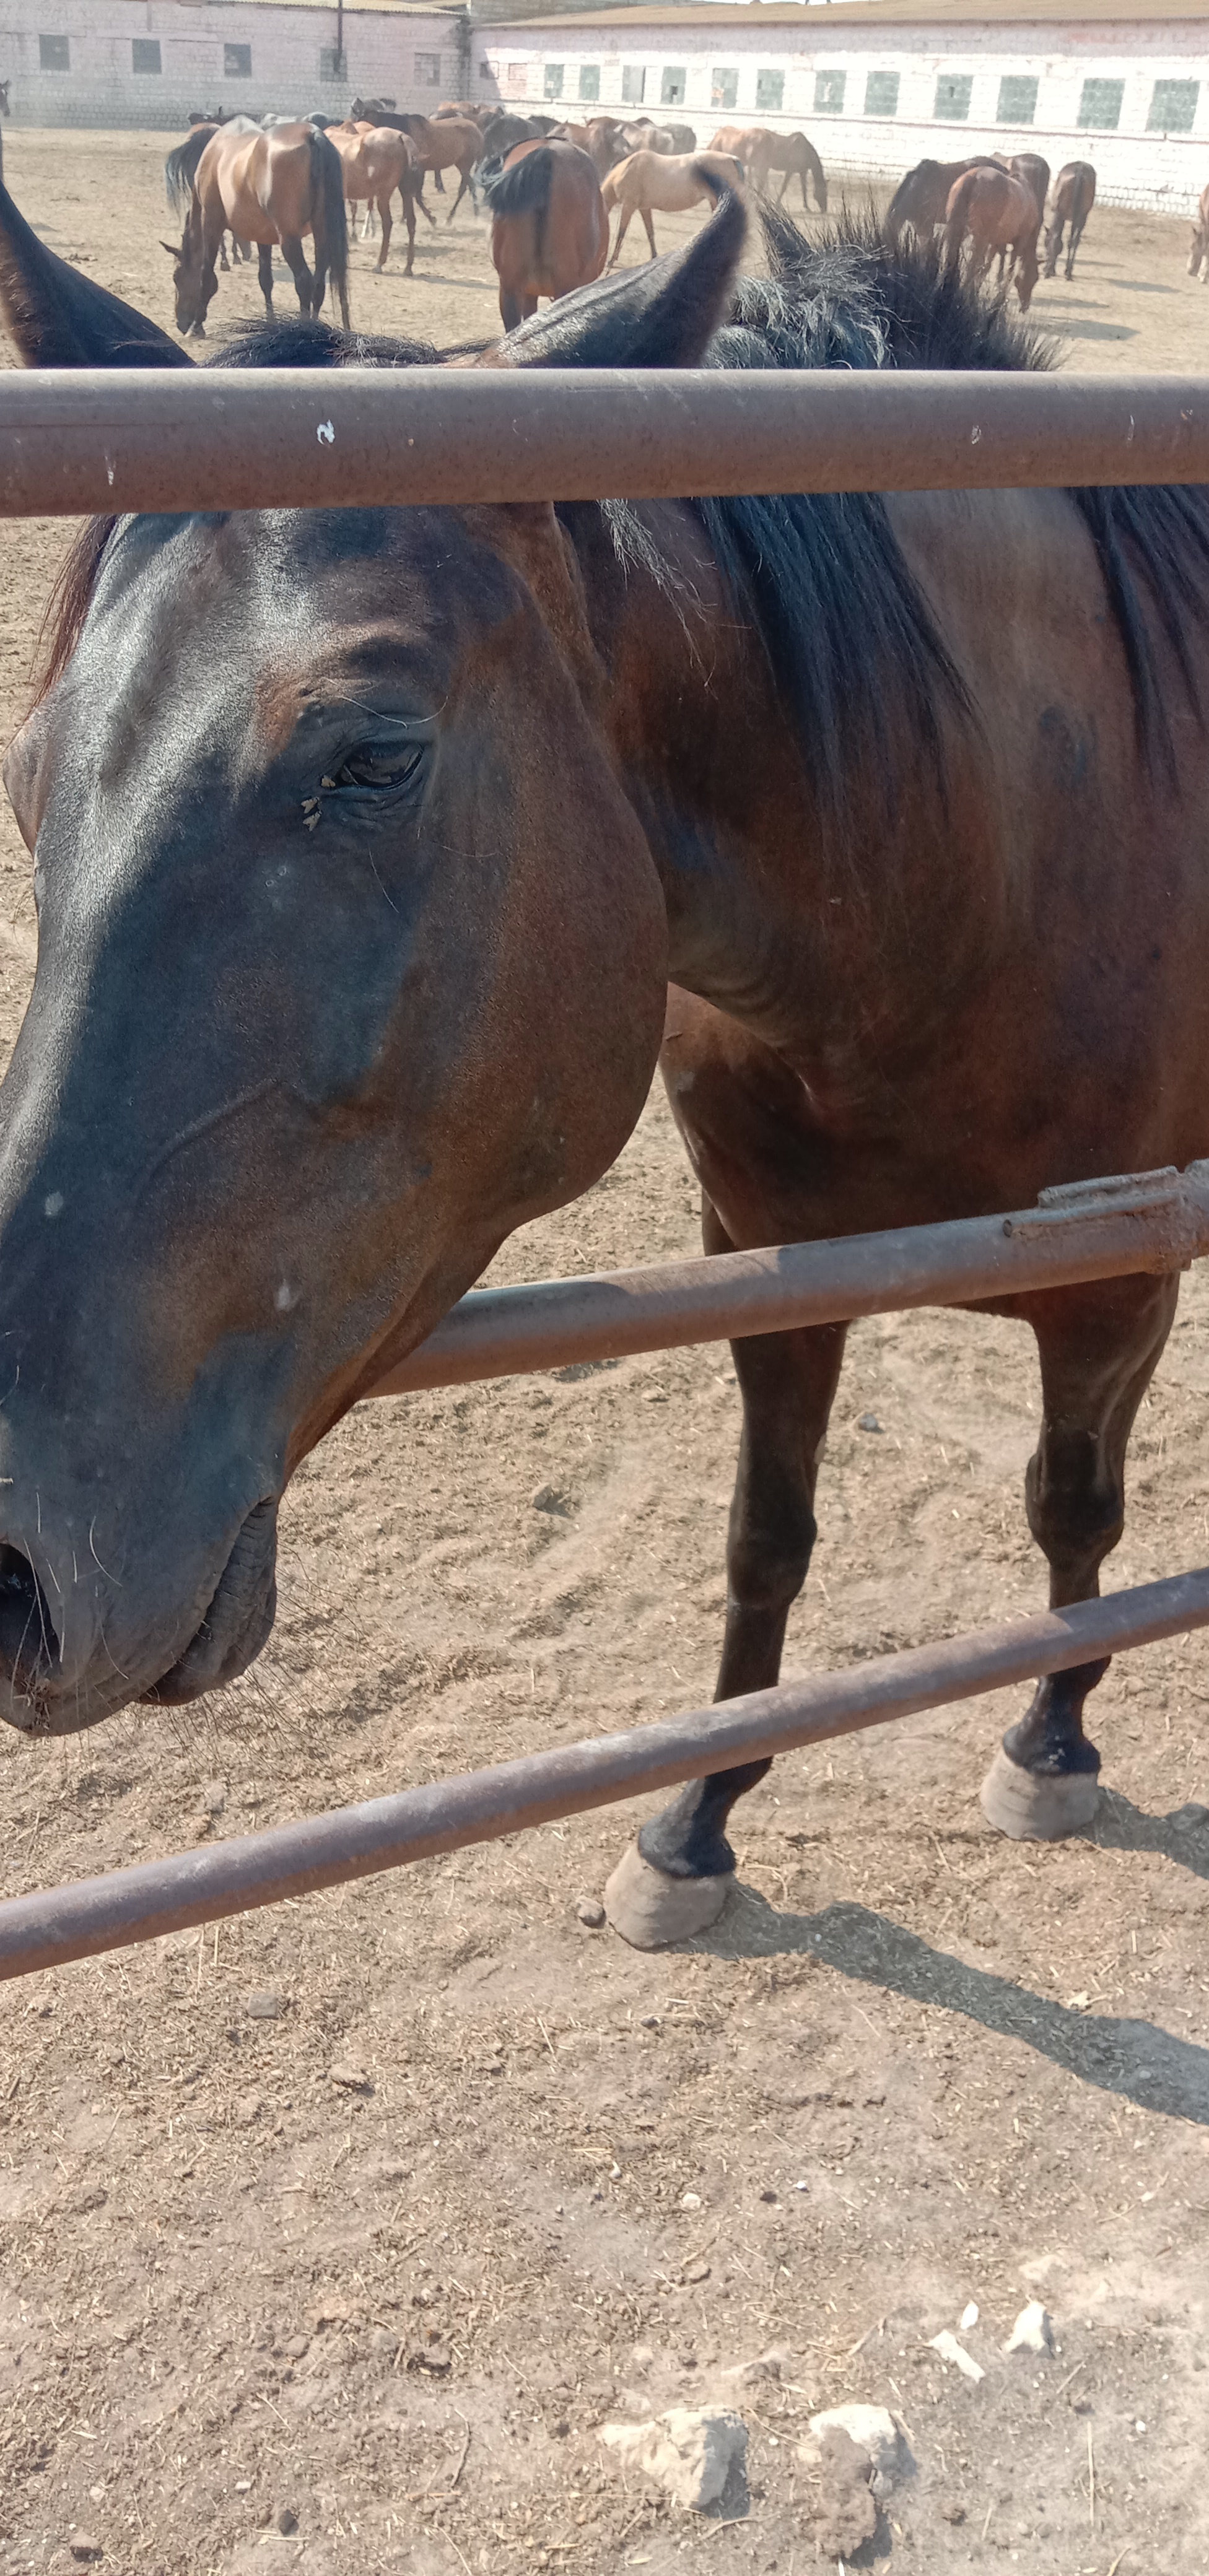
{"x": 550, "y": 188}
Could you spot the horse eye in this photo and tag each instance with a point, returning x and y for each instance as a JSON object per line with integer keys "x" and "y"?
{"x": 373, "y": 768}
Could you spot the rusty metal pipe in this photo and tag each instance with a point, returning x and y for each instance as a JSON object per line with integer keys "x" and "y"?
{"x": 120, "y": 439}
{"x": 235, "y": 1877}
{"x": 1093, "y": 1230}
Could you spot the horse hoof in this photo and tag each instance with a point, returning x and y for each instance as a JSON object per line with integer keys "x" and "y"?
{"x": 1038, "y": 1806}
{"x": 649, "y": 1909}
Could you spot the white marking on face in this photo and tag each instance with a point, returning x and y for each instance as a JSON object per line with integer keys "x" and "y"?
{"x": 285, "y": 1298}
{"x": 52, "y": 1205}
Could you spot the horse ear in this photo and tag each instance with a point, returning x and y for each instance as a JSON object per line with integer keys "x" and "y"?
{"x": 663, "y": 314}
{"x": 59, "y": 319}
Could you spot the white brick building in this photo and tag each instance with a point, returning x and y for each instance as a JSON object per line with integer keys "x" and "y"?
{"x": 877, "y": 84}
{"x": 149, "y": 62}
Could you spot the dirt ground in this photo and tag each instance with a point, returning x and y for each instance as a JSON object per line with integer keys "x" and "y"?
{"x": 331, "y": 2237}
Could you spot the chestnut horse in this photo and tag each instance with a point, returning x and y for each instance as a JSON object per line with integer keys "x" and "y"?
{"x": 268, "y": 189}
{"x": 549, "y": 229}
{"x": 648, "y": 183}
{"x": 1071, "y": 203}
{"x": 376, "y": 162}
{"x": 994, "y": 212}
{"x": 355, "y": 941}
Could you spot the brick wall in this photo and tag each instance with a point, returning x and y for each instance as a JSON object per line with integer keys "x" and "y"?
{"x": 824, "y": 74}
{"x": 241, "y": 54}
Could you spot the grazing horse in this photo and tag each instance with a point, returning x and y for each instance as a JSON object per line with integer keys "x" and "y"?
{"x": 376, "y": 161}
{"x": 268, "y": 189}
{"x": 1071, "y": 203}
{"x": 648, "y": 184}
{"x": 1198, "y": 255}
{"x": 793, "y": 154}
{"x": 921, "y": 198}
{"x": 180, "y": 170}
{"x": 549, "y": 229}
{"x": 994, "y": 212}
{"x": 355, "y": 941}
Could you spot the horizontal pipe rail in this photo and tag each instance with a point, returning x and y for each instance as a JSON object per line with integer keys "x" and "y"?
{"x": 75, "y": 439}
{"x": 252, "y": 1870}
{"x": 1150, "y": 1221}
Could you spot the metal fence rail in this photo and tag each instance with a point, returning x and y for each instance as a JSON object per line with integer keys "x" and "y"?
{"x": 75, "y": 439}
{"x": 1092, "y": 1230}
{"x": 252, "y": 1870}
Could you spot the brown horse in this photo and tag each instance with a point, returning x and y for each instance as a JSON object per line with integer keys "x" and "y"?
{"x": 762, "y": 152}
{"x": 375, "y": 163}
{"x": 921, "y": 198}
{"x": 268, "y": 189}
{"x": 994, "y": 212}
{"x": 1071, "y": 203}
{"x": 1198, "y": 255}
{"x": 355, "y": 940}
{"x": 649, "y": 184}
{"x": 549, "y": 229}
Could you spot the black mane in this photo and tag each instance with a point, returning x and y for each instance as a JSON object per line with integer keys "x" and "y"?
{"x": 821, "y": 577}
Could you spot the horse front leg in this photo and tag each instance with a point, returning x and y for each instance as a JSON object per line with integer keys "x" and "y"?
{"x": 650, "y": 230}
{"x": 264, "y": 266}
{"x": 1099, "y": 1347}
{"x": 675, "y": 1879}
{"x": 409, "y": 217}
{"x": 1053, "y": 249}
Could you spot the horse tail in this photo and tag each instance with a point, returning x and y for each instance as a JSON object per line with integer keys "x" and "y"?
{"x": 520, "y": 188}
{"x": 957, "y": 220}
{"x": 330, "y": 219}
{"x": 180, "y": 168}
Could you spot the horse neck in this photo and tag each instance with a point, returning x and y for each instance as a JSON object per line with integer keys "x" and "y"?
{"x": 781, "y": 909}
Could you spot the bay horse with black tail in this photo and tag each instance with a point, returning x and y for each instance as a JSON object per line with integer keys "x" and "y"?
{"x": 549, "y": 229}
{"x": 375, "y": 162}
{"x": 356, "y": 938}
{"x": 1071, "y": 203}
{"x": 921, "y": 198}
{"x": 269, "y": 189}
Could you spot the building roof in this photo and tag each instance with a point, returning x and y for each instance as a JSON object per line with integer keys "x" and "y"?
{"x": 836, "y": 16}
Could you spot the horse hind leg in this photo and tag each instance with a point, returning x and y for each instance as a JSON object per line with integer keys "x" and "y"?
{"x": 387, "y": 227}
{"x": 1099, "y": 1347}
{"x": 264, "y": 262}
{"x": 675, "y": 1879}
{"x": 295, "y": 259}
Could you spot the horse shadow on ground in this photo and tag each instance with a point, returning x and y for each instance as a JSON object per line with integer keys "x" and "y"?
{"x": 1066, "y": 330}
{"x": 1128, "y": 2057}
{"x": 1181, "y": 1837}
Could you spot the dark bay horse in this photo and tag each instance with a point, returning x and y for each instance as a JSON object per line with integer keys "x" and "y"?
{"x": 549, "y": 228}
{"x": 356, "y": 938}
{"x": 268, "y": 189}
{"x": 1071, "y": 203}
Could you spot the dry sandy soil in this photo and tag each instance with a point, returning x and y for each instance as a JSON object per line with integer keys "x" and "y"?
{"x": 331, "y": 2237}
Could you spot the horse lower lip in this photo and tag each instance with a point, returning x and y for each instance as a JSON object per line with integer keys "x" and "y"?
{"x": 238, "y": 1620}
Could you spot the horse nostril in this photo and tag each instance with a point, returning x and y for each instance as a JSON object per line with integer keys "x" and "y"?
{"x": 27, "y": 1638}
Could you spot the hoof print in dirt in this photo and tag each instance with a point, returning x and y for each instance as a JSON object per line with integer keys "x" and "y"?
{"x": 697, "y": 2455}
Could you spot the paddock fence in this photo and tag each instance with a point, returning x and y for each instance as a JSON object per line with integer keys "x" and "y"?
{"x": 135, "y": 440}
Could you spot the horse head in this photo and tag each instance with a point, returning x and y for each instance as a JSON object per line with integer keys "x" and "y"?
{"x": 193, "y": 291}
{"x": 352, "y": 958}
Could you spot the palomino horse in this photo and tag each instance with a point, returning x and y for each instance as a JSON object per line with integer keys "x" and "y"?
{"x": 376, "y": 162}
{"x": 648, "y": 184}
{"x": 268, "y": 189}
{"x": 549, "y": 229}
{"x": 355, "y": 941}
{"x": 994, "y": 212}
{"x": 760, "y": 152}
{"x": 1198, "y": 255}
{"x": 1071, "y": 203}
